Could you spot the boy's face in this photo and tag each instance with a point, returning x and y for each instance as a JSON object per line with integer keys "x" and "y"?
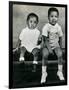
{"x": 53, "y": 17}
{"x": 32, "y": 22}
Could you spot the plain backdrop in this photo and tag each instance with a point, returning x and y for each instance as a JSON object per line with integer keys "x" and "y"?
{"x": 20, "y": 13}
{"x": 4, "y": 43}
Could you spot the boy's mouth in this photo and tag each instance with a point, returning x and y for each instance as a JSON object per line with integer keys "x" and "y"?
{"x": 53, "y": 22}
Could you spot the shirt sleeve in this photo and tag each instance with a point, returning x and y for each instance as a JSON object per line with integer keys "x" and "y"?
{"x": 39, "y": 33}
{"x": 60, "y": 33}
{"x": 45, "y": 31}
{"x": 39, "y": 36}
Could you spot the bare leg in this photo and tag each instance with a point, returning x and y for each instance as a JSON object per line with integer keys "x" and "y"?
{"x": 45, "y": 54}
{"x": 22, "y": 50}
{"x": 60, "y": 65}
{"x": 35, "y": 54}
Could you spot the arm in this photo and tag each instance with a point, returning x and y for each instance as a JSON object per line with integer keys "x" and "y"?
{"x": 45, "y": 33}
{"x": 18, "y": 43}
{"x": 19, "y": 39}
{"x": 39, "y": 40}
{"x": 45, "y": 40}
{"x": 17, "y": 46}
{"x": 60, "y": 33}
{"x": 60, "y": 42}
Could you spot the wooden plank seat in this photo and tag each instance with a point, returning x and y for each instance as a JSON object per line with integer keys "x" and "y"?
{"x": 52, "y": 59}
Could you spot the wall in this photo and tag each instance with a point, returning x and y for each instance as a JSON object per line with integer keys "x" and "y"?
{"x": 20, "y": 13}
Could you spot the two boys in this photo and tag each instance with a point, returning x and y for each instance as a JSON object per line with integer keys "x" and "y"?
{"x": 51, "y": 41}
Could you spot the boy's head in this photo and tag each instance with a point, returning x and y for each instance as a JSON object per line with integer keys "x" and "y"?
{"x": 32, "y": 20}
{"x": 53, "y": 15}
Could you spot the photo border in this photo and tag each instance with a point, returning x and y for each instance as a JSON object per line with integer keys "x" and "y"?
{"x": 11, "y": 3}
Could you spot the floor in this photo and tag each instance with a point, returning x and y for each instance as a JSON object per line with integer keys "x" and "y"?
{"x": 24, "y": 77}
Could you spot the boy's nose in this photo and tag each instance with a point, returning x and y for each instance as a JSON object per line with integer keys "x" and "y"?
{"x": 32, "y": 24}
{"x": 54, "y": 19}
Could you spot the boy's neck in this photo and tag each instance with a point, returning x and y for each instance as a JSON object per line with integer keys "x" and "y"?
{"x": 52, "y": 24}
{"x": 31, "y": 28}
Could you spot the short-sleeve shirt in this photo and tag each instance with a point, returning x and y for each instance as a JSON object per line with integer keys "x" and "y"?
{"x": 53, "y": 33}
{"x": 29, "y": 38}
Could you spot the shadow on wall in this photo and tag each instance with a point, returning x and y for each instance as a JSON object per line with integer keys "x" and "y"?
{"x": 20, "y": 13}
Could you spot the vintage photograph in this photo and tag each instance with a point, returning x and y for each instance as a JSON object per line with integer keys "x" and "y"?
{"x": 37, "y": 44}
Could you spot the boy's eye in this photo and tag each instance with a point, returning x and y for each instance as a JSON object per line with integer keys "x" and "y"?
{"x": 30, "y": 21}
{"x": 54, "y": 16}
{"x": 51, "y": 16}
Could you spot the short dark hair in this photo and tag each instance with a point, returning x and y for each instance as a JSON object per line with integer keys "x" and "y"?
{"x": 51, "y": 10}
{"x": 32, "y": 15}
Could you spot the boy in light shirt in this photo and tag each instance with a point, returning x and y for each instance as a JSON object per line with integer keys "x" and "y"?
{"x": 52, "y": 38}
{"x": 29, "y": 37}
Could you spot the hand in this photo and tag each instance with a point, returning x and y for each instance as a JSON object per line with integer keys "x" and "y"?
{"x": 51, "y": 52}
{"x": 16, "y": 49}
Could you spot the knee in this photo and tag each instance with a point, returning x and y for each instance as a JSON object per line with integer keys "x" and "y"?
{"x": 35, "y": 52}
{"x": 45, "y": 53}
{"x": 23, "y": 49}
{"x": 59, "y": 55}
